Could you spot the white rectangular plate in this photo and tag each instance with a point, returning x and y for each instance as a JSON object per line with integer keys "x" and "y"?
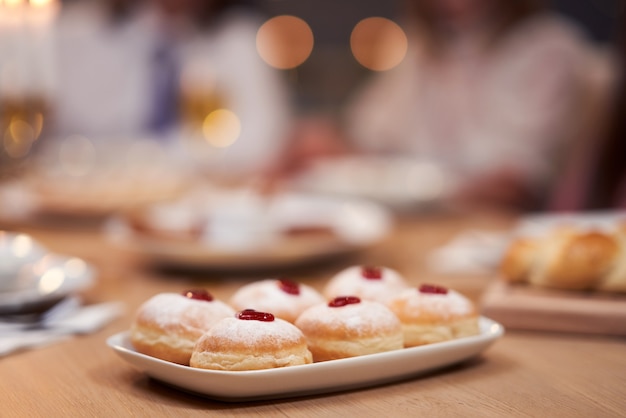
{"x": 329, "y": 376}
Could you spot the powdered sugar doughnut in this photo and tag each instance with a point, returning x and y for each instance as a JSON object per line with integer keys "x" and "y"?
{"x": 432, "y": 314}
{"x": 349, "y": 327}
{"x": 252, "y": 340}
{"x": 283, "y": 298}
{"x": 168, "y": 325}
{"x": 366, "y": 282}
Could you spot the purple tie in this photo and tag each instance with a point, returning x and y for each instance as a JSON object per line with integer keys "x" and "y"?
{"x": 164, "y": 92}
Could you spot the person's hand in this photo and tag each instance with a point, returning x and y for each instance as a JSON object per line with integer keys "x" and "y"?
{"x": 501, "y": 189}
{"x": 312, "y": 139}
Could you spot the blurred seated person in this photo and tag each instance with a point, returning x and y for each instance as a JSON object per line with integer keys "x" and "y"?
{"x": 123, "y": 71}
{"x": 489, "y": 90}
{"x": 607, "y": 189}
{"x": 594, "y": 176}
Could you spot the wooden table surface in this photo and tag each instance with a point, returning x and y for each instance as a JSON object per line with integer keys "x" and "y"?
{"x": 522, "y": 374}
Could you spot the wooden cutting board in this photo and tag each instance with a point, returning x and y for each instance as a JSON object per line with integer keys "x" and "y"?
{"x": 531, "y": 308}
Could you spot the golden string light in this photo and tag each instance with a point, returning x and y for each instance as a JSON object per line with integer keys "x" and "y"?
{"x": 378, "y": 44}
{"x": 284, "y": 42}
{"x": 221, "y": 128}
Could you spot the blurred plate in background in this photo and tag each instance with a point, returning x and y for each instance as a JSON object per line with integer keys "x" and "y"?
{"x": 240, "y": 230}
{"x": 399, "y": 183}
{"x": 78, "y": 177}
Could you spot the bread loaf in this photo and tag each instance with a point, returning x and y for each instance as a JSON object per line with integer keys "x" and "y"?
{"x": 569, "y": 258}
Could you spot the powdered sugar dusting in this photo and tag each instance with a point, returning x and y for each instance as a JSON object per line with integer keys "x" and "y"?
{"x": 266, "y": 296}
{"x": 363, "y": 318}
{"x": 250, "y": 332}
{"x": 451, "y": 304}
{"x": 167, "y": 309}
{"x": 351, "y": 282}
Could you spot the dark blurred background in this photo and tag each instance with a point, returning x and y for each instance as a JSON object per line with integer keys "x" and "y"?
{"x": 330, "y": 74}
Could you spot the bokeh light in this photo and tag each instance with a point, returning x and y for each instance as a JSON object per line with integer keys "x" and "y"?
{"x": 75, "y": 267}
{"x": 284, "y": 42}
{"x": 18, "y": 139}
{"x": 221, "y": 128}
{"x": 40, "y": 3}
{"x": 22, "y": 246}
{"x": 13, "y": 3}
{"x": 378, "y": 44}
{"x": 51, "y": 280}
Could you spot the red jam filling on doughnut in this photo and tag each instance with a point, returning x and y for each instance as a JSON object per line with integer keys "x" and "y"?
{"x": 340, "y": 301}
{"x": 371, "y": 272}
{"x": 431, "y": 288}
{"x": 252, "y": 315}
{"x": 289, "y": 287}
{"x": 198, "y": 294}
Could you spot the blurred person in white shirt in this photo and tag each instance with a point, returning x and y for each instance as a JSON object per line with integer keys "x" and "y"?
{"x": 490, "y": 90}
{"x": 119, "y": 65}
